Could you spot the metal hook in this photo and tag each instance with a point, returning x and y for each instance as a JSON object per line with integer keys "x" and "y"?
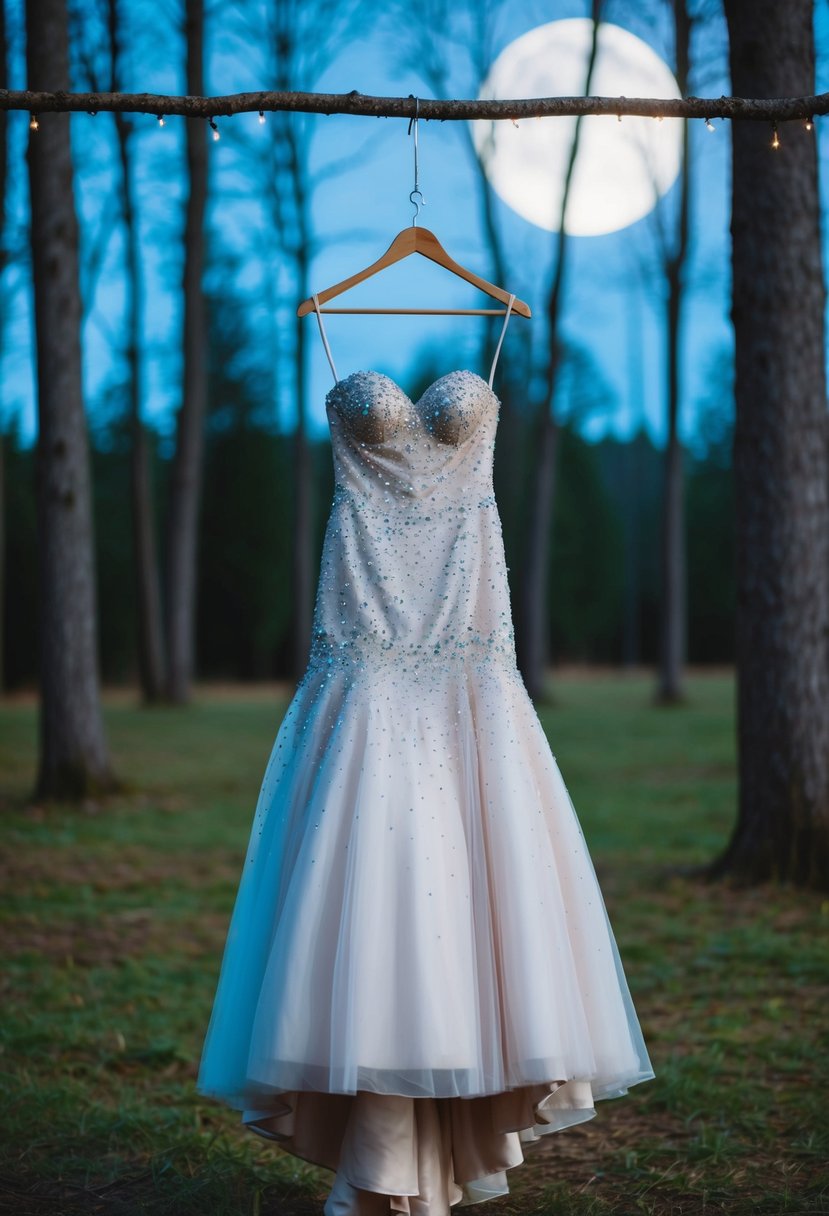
{"x": 416, "y": 193}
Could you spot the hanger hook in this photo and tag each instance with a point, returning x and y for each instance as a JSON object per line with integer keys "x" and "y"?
{"x": 416, "y": 194}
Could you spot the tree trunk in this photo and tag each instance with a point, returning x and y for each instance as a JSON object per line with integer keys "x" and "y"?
{"x": 303, "y": 530}
{"x": 631, "y": 489}
{"x": 2, "y": 554}
{"x": 4, "y": 145}
{"x": 781, "y": 465}
{"x": 303, "y": 471}
{"x": 147, "y": 583}
{"x": 186, "y": 476}
{"x": 533, "y": 636}
{"x": 507, "y": 454}
{"x": 74, "y": 760}
{"x": 673, "y": 641}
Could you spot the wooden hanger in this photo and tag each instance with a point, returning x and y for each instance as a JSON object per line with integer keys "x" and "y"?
{"x": 418, "y": 240}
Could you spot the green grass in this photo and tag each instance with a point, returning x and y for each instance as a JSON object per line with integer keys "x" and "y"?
{"x": 114, "y": 919}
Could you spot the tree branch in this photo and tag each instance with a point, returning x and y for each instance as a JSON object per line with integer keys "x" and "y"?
{"x": 772, "y": 109}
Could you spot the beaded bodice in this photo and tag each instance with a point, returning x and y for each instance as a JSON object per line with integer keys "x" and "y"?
{"x": 413, "y": 566}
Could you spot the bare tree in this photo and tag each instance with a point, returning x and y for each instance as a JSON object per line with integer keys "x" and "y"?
{"x": 147, "y": 582}
{"x": 781, "y": 465}
{"x": 186, "y": 473}
{"x": 447, "y": 35}
{"x": 436, "y": 42}
{"x": 671, "y": 263}
{"x": 74, "y": 759}
{"x": 290, "y": 146}
{"x": 535, "y": 625}
{"x": 673, "y": 638}
{"x": 4, "y": 84}
{"x": 299, "y": 42}
{"x": 452, "y": 47}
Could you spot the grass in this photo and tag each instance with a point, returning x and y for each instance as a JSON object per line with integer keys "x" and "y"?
{"x": 114, "y": 919}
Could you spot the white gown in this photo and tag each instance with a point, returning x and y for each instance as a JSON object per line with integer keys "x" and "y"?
{"x": 420, "y": 974}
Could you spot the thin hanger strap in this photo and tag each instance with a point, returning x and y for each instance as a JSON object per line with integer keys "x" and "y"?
{"x": 315, "y": 298}
{"x": 501, "y": 339}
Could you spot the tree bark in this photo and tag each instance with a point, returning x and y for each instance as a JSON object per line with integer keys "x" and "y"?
{"x": 673, "y": 641}
{"x": 147, "y": 583}
{"x": 781, "y": 467}
{"x": 74, "y": 760}
{"x": 186, "y": 476}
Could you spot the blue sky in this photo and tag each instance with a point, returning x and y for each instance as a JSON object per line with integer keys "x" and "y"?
{"x": 614, "y": 308}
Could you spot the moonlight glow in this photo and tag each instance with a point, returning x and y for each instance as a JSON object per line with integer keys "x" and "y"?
{"x": 621, "y": 169}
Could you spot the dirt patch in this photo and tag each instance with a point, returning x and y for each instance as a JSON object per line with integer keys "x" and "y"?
{"x": 134, "y": 868}
{"x": 107, "y": 940}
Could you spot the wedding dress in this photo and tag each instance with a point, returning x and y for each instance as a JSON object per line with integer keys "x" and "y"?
{"x": 420, "y": 975}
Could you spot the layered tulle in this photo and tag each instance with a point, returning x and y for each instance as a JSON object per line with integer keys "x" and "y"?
{"x": 418, "y": 915}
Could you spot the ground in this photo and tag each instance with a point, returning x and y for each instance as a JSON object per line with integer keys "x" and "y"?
{"x": 114, "y": 916}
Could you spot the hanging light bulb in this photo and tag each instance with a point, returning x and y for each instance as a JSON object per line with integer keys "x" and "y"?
{"x": 161, "y": 120}
{"x": 261, "y": 118}
{"x": 775, "y": 139}
{"x": 215, "y": 130}
{"x": 809, "y": 124}
{"x": 34, "y": 125}
{"x": 710, "y": 125}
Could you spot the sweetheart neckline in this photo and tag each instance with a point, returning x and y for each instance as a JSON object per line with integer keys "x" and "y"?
{"x": 455, "y": 372}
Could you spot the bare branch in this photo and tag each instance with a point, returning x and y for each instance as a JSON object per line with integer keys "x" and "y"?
{"x": 772, "y": 109}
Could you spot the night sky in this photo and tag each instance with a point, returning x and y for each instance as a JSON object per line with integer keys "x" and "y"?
{"x": 614, "y": 300}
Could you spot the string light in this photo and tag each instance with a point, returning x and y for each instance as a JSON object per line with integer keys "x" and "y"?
{"x": 808, "y": 124}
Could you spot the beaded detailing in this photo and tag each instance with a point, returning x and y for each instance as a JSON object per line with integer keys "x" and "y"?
{"x": 375, "y": 408}
{"x": 413, "y": 573}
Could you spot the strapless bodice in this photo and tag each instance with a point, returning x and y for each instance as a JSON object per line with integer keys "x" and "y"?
{"x": 376, "y": 410}
{"x": 413, "y": 560}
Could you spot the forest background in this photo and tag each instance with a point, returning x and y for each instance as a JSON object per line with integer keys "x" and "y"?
{"x": 296, "y": 203}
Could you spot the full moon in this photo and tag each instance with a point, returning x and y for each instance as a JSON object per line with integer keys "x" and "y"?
{"x": 622, "y": 168}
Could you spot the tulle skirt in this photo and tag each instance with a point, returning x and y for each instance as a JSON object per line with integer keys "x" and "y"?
{"x": 418, "y": 917}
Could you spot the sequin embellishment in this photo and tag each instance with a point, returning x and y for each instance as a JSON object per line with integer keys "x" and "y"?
{"x": 413, "y": 568}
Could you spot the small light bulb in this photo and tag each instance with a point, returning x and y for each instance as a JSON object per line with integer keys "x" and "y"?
{"x": 261, "y": 119}
{"x": 215, "y": 130}
{"x": 710, "y": 125}
{"x": 775, "y": 140}
{"x": 161, "y": 120}
{"x": 216, "y": 136}
{"x": 809, "y": 124}
{"x": 33, "y": 123}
